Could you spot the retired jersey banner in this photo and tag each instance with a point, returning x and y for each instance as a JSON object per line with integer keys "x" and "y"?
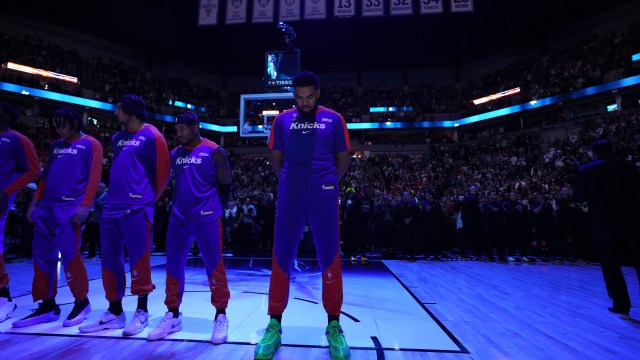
{"x": 372, "y": 8}
{"x": 263, "y": 11}
{"x": 431, "y": 6}
{"x": 401, "y": 7}
{"x": 289, "y": 10}
{"x": 344, "y": 7}
{"x": 315, "y": 9}
{"x": 236, "y": 11}
{"x": 461, "y": 5}
{"x": 208, "y": 12}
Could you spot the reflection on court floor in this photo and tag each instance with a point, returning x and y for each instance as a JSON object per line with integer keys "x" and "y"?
{"x": 379, "y": 312}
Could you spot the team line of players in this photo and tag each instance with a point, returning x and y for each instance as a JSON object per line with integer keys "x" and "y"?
{"x": 308, "y": 173}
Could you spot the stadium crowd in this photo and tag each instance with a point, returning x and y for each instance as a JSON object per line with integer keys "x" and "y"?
{"x": 590, "y": 61}
{"x": 493, "y": 194}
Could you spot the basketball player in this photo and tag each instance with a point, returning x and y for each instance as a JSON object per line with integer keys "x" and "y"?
{"x": 139, "y": 175}
{"x": 59, "y": 210}
{"x": 202, "y": 183}
{"x": 309, "y": 155}
{"x": 19, "y": 166}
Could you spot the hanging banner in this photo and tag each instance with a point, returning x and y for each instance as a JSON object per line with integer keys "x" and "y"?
{"x": 461, "y": 5}
{"x": 289, "y": 10}
{"x": 401, "y": 7}
{"x": 315, "y": 9}
{"x": 208, "y": 12}
{"x": 431, "y": 6}
{"x": 372, "y": 8}
{"x": 263, "y": 11}
{"x": 344, "y": 8}
{"x": 236, "y": 11}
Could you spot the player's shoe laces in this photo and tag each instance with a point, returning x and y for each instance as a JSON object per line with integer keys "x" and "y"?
{"x": 270, "y": 342}
{"x": 6, "y": 308}
{"x": 105, "y": 321}
{"x": 220, "y": 329}
{"x": 81, "y": 309}
{"x": 40, "y": 315}
{"x": 167, "y": 326}
{"x": 337, "y": 344}
{"x": 138, "y": 323}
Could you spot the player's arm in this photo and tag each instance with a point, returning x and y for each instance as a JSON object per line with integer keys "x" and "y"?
{"x": 275, "y": 146}
{"x": 276, "y": 162}
{"x": 342, "y": 145}
{"x": 162, "y": 164}
{"x": 95, "y": 174}
{"x": 223, "y": 172}
{"x": 29, "y": 162}
{"x": 37, "y": 196}
{"x": 342, "y": 164}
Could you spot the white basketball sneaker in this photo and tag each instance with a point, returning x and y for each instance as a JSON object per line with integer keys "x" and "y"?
{"x": 6, "y": 308}
{"x": 220, "y": 329}
{"x": 167, "y": 326}
{"x": 106, "y": 321}
{"x": 138, "y": 323}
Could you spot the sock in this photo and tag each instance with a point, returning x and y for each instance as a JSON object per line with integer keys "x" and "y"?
{"x": 220, "y": 312}
{"x": 142, "y": 303}
{"x": 175, "y": 312}
{"x": 4, "y": 292}
{"x": 115, "y": 307}
{"x": 49, "y": 304}
{"x": 278, "y": 318}
{"x": 333, "y": 317}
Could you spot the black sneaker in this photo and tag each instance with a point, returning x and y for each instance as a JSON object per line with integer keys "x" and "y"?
{"x": 619, "y": 314}
{"x": 41, "y": 315}
{"x": 81, "y": 309}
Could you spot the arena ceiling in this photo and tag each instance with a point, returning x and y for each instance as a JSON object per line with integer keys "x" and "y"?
{"x": 168, "y": 29}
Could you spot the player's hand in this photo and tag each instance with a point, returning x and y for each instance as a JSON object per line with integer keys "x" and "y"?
{"x": 4, "y": 203}
{"x": 30, "y": 210}
{"x": 81, "y": 214}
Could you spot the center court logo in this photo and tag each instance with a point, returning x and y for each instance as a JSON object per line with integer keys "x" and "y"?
{"x": 188, "y": 160}
{"x": 304, "y": 126}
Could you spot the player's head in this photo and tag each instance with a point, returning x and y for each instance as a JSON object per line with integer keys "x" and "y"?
{"x": 187, "y": 127}
{"x": 306, "y": 91}
{"x": 9, "y": 114}
{"x": 67, "y": 122}
{"x": 602, "y": 148}
{"x": 131, "y": 106}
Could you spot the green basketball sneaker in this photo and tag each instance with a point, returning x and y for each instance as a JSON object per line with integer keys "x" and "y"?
{"x": 270, "y": 342}
{"x": 337, "y": 344}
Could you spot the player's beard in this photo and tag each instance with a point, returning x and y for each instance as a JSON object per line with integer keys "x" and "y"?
{"x": 311, "y": 112}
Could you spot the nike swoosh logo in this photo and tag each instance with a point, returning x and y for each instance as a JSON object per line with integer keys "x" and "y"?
{"x": 103, "y": 322}
{"x": 308, "y": 131}
{"x": 174, "y": 326}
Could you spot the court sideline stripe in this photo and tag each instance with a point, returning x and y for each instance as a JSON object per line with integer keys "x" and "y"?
{"x": 437, "y": 321}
